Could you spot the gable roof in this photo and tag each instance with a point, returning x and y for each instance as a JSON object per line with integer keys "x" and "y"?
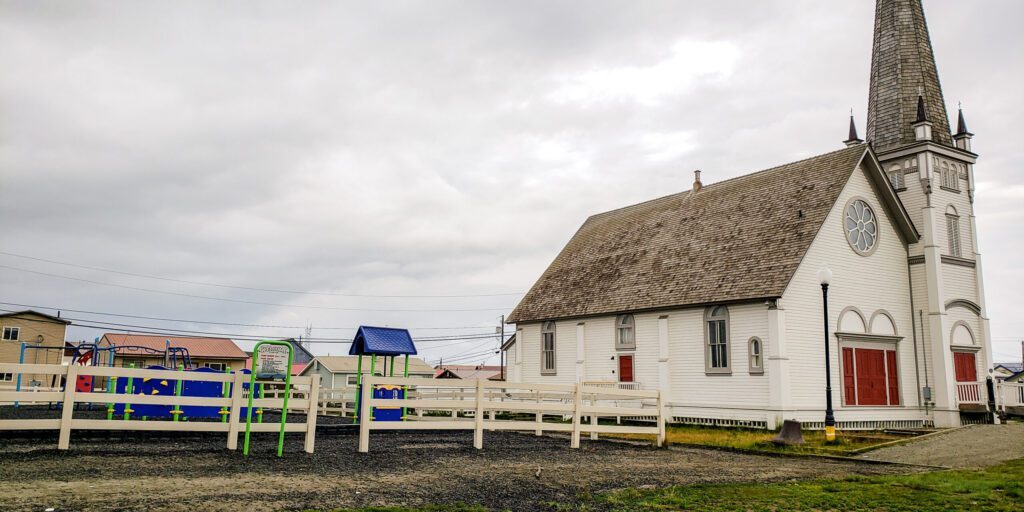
{"x": 349, "y": 364}
{"x": 34, "y": 312}
{"x": 736, "y": 240}
{"x": 467, "y": 372}
{"x": 203, "y": 348}
{"x": 385, "y": 341}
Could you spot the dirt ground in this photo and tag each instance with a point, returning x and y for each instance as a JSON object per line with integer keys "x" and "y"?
{"x": 402, "y": 468}
{"x": 973, "y": 446}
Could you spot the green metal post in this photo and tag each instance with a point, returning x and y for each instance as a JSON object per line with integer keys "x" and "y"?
{"x": 373, "y": 372}
{"x": 177, "y": 392}
{"x": 224, "y": 387}
{"x": 111, "y": 385}
{"x": 405, "y": 389}
{"x": 260, "y": 411}
{"x": 392, "y": 366}
{"x": 128, "y": 389}
{"x": 359, "y": 384}
{"x": 252, "y": 388}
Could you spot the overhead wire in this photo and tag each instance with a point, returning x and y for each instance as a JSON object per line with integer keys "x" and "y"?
{"x": 250, "y": 288}
{"x": 254, "y": 302}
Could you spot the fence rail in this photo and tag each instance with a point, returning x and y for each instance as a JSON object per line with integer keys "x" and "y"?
{"x": 480, "y": 400}
{"x": 304, "y": 398}
{"x": 971, "y": 392}
{"x": 1011, "y": 396}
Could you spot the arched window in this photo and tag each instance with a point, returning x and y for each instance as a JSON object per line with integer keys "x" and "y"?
{"x": 755, "y": 348}
{"x": 547, "y": 349}
{"x": 716, "y": 342}
{"x": 896, "y": 177}
{"x": 953, "y": 231}
{"x": 625, "y": 332}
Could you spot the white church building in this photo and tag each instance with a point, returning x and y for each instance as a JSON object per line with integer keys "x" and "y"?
{"x": 713, "y": 295}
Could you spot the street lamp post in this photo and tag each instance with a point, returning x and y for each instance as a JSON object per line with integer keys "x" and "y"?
{"x": 825, "y": 276}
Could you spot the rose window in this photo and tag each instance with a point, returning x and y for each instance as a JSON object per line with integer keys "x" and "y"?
{"x": 861, "y": 226}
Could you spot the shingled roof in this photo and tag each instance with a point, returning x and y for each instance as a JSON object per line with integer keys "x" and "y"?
{"x": 740, "y": 239}
{"x": 902, "y": 69}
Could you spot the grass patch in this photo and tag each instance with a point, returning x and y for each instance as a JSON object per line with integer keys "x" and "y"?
{"x": 760, "y": 440}
{"x": 999, "y": 488}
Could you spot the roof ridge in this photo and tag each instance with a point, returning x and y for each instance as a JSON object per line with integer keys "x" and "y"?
{"x": 717, "y": 184}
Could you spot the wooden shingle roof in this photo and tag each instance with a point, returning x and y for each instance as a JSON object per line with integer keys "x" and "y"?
{"x": 740, "y": 239}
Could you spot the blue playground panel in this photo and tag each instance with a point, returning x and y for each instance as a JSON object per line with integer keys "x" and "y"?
{"x": 388, "y": 392}
{"x": 166, "y": 387}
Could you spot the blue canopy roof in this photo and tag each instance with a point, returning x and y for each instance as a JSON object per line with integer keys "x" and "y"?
{"x": 382, "y": 341}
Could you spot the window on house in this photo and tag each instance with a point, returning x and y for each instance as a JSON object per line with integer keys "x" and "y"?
{"x": 625, "y": 332}
{"x": 953, "y": 231}
{"x": 547, "y": 348}
{"x": 950, "y": 176}
{"x": 756, "y": 357}
{"x": 133, "y": 363}
{"x": 717, "y": 340}
{"x": 352, "y": 380}
{"x": 6, "y": 377}
{"x": 215, "y": 366}
{"x": 870, "y": 377}
{"x": 12, "y": 333}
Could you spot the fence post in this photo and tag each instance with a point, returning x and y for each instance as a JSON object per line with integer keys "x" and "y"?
{"x": 64, "y": 440}
{"x": 577, "y": 411}
{"x": 314, "y": 402}
{"x": 661, "y": 421}
{"x": 237, "y": 390}
{"x": 365, "y": 414}
{"x": 540, "y": 418}
{"x": 478, "y": 431}
{"x": 593, "y": 416}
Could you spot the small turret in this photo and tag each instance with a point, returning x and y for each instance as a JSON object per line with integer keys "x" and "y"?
{"x": 922, "y": 126}
{"x": 853, "y": 139}
{"x": 962, "y": 139}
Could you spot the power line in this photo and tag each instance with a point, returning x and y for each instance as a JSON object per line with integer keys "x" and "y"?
{"x": 273, "y": 290}
{"x": 120, "y": 315}
{"x": 163, "y": 331}
{"x": 222, "y": 299}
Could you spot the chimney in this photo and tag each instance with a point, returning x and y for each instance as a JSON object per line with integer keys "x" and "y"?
{"x": 697, "y": 185}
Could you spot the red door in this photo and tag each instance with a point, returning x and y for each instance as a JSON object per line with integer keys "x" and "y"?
{"x": 625, "y": 368}
{"x": 965, "y": 367}
{"x": 871, "y": 388}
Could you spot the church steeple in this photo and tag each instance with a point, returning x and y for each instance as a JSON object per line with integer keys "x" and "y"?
{"x": 905, "y": 85}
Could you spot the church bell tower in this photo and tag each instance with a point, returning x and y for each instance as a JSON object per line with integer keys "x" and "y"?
{"x": 932, "y": 171}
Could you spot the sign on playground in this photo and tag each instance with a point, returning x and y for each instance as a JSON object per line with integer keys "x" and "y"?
{"x": 271, "y": 362}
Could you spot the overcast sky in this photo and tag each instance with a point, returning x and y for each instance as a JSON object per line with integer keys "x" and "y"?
{"x": 426, "y": 148}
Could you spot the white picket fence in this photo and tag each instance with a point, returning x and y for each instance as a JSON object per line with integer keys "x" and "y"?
{"x": 1010, "y": 395}
{"x": 569, "y": 404}
{"x": 304, "y": 399}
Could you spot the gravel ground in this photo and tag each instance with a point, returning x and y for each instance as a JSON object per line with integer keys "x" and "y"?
{"x": 973, "y": 446}
{"x": 402, "y": 468}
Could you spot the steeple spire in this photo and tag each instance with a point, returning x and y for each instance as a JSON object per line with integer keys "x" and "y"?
{"x": 905, "y": 85}
{"x": 854, "y": 139}
{"x": 961, "y": 125}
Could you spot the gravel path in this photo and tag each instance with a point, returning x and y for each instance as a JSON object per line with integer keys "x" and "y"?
{"x": 402, "y": 468}
{"x": 973, "y": 446}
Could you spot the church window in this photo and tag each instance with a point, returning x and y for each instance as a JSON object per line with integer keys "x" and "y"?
{"x": 950, "y": 177}
{"x": 547, "y": 349}
{"x": 716, "y": 343}
{"x": 861, "y": 226}
{"x": 625, "y": 332}
{"x": 953, "y": 231}
{"x": 756, "y": 357}
{"x": 896, "y": 178}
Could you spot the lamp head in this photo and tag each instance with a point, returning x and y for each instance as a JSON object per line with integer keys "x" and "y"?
{"x": 825, "y": 276}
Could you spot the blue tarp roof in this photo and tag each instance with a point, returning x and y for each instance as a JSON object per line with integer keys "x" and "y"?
{"x": 382, "y": 341}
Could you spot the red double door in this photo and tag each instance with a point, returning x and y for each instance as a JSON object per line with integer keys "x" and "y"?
{"x": 625, "y": 368}
{"x": 870, "y": 377}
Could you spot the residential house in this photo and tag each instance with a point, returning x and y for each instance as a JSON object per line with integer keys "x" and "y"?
{"x": 147, "y": 350}
{"x": 468, "y": 372}
{"x": 339, "y": 372}
{"x": 42, "y": 335}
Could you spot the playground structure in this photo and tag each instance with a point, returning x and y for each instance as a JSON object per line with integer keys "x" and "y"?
{"x": 386, "y": 342}
{"x": 92, "y": 354}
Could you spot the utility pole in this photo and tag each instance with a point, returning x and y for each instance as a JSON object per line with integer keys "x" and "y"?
{"x": 502, "y": 350}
